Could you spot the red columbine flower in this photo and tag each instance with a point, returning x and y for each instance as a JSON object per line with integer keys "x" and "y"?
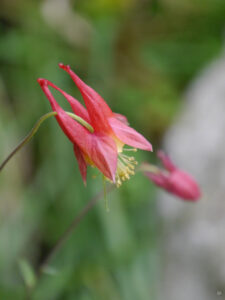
{"x": 104, "y": 147}
{"x": 172, "y": 179}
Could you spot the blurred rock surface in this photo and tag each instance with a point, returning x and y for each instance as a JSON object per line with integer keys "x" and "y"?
{"x": 70, "y": 25}
{"x": 193, "y": 239}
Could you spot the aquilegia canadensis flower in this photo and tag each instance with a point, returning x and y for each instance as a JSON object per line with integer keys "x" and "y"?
{"x": 104, "y": 147}
{"x": 172, "y": 179}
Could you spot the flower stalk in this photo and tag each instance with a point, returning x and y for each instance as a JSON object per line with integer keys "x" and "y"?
{"x": 35, "y": 129}
{"x": 45, "y": 265}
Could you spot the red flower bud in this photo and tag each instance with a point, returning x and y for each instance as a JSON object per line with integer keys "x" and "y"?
{"x": 172, "y": 179}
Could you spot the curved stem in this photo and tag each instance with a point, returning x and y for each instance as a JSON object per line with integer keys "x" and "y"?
{"x": 27, "y": 138}
{"x": 61, "y": 241}
{"x": 81, "y": 121}
{"x": 35, "y": 129}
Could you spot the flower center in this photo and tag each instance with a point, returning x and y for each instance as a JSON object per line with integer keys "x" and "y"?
{"x": 125, "y": 166}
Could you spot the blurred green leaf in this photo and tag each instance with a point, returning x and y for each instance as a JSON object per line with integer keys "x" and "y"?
{"x": 27, "y": 273}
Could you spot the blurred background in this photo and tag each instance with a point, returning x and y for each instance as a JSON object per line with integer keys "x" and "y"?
{"x": 142, "y": 57}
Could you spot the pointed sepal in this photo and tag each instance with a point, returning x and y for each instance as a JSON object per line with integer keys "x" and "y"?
{"x": 98, "y": 109}
{"x": 129, "y": 136}
{"x": 81, "y": 163}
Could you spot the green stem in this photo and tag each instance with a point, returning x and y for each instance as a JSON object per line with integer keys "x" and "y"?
{"x": 81, "y": 121}
{"x": 62, "y": 240}
{"x": 35, "y": 129}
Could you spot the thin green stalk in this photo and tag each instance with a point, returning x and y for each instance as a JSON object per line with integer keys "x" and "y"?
{"x": 81, "y": 121}
{"x": 35, "y": 129}
{"x": 62, "y": 240}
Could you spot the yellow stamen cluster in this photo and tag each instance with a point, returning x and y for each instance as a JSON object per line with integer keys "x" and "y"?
{"x": 125, "y": 167}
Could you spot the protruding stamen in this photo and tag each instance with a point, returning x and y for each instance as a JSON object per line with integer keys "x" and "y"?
{"x": 125, "y": 167}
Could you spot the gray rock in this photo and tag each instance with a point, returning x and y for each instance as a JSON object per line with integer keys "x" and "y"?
{"x": 193, "y": 242}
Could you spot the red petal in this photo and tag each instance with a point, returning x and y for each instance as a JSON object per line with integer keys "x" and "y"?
{"x": 129, "y": 136}
{"x": 166, "y": 161}
{"x": 103, "y": 153}
{"x": 76, "y": 106}
{"x": 97, "y": 108}
{"x": 73, "y": 130}
{"x": 184, "y": 186}
{"x": 81, "y": 162}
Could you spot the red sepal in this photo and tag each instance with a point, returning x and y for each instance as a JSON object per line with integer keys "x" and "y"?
{"x": 103, "y": 152}
{"x": 76, "y": 106}
{"x": 97, "y": 108}
{"x": 81, "y": 163}
{"x": 129, "y": 136}
{"x": 73, "y": 130}
{"x": 166, "y": 161}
